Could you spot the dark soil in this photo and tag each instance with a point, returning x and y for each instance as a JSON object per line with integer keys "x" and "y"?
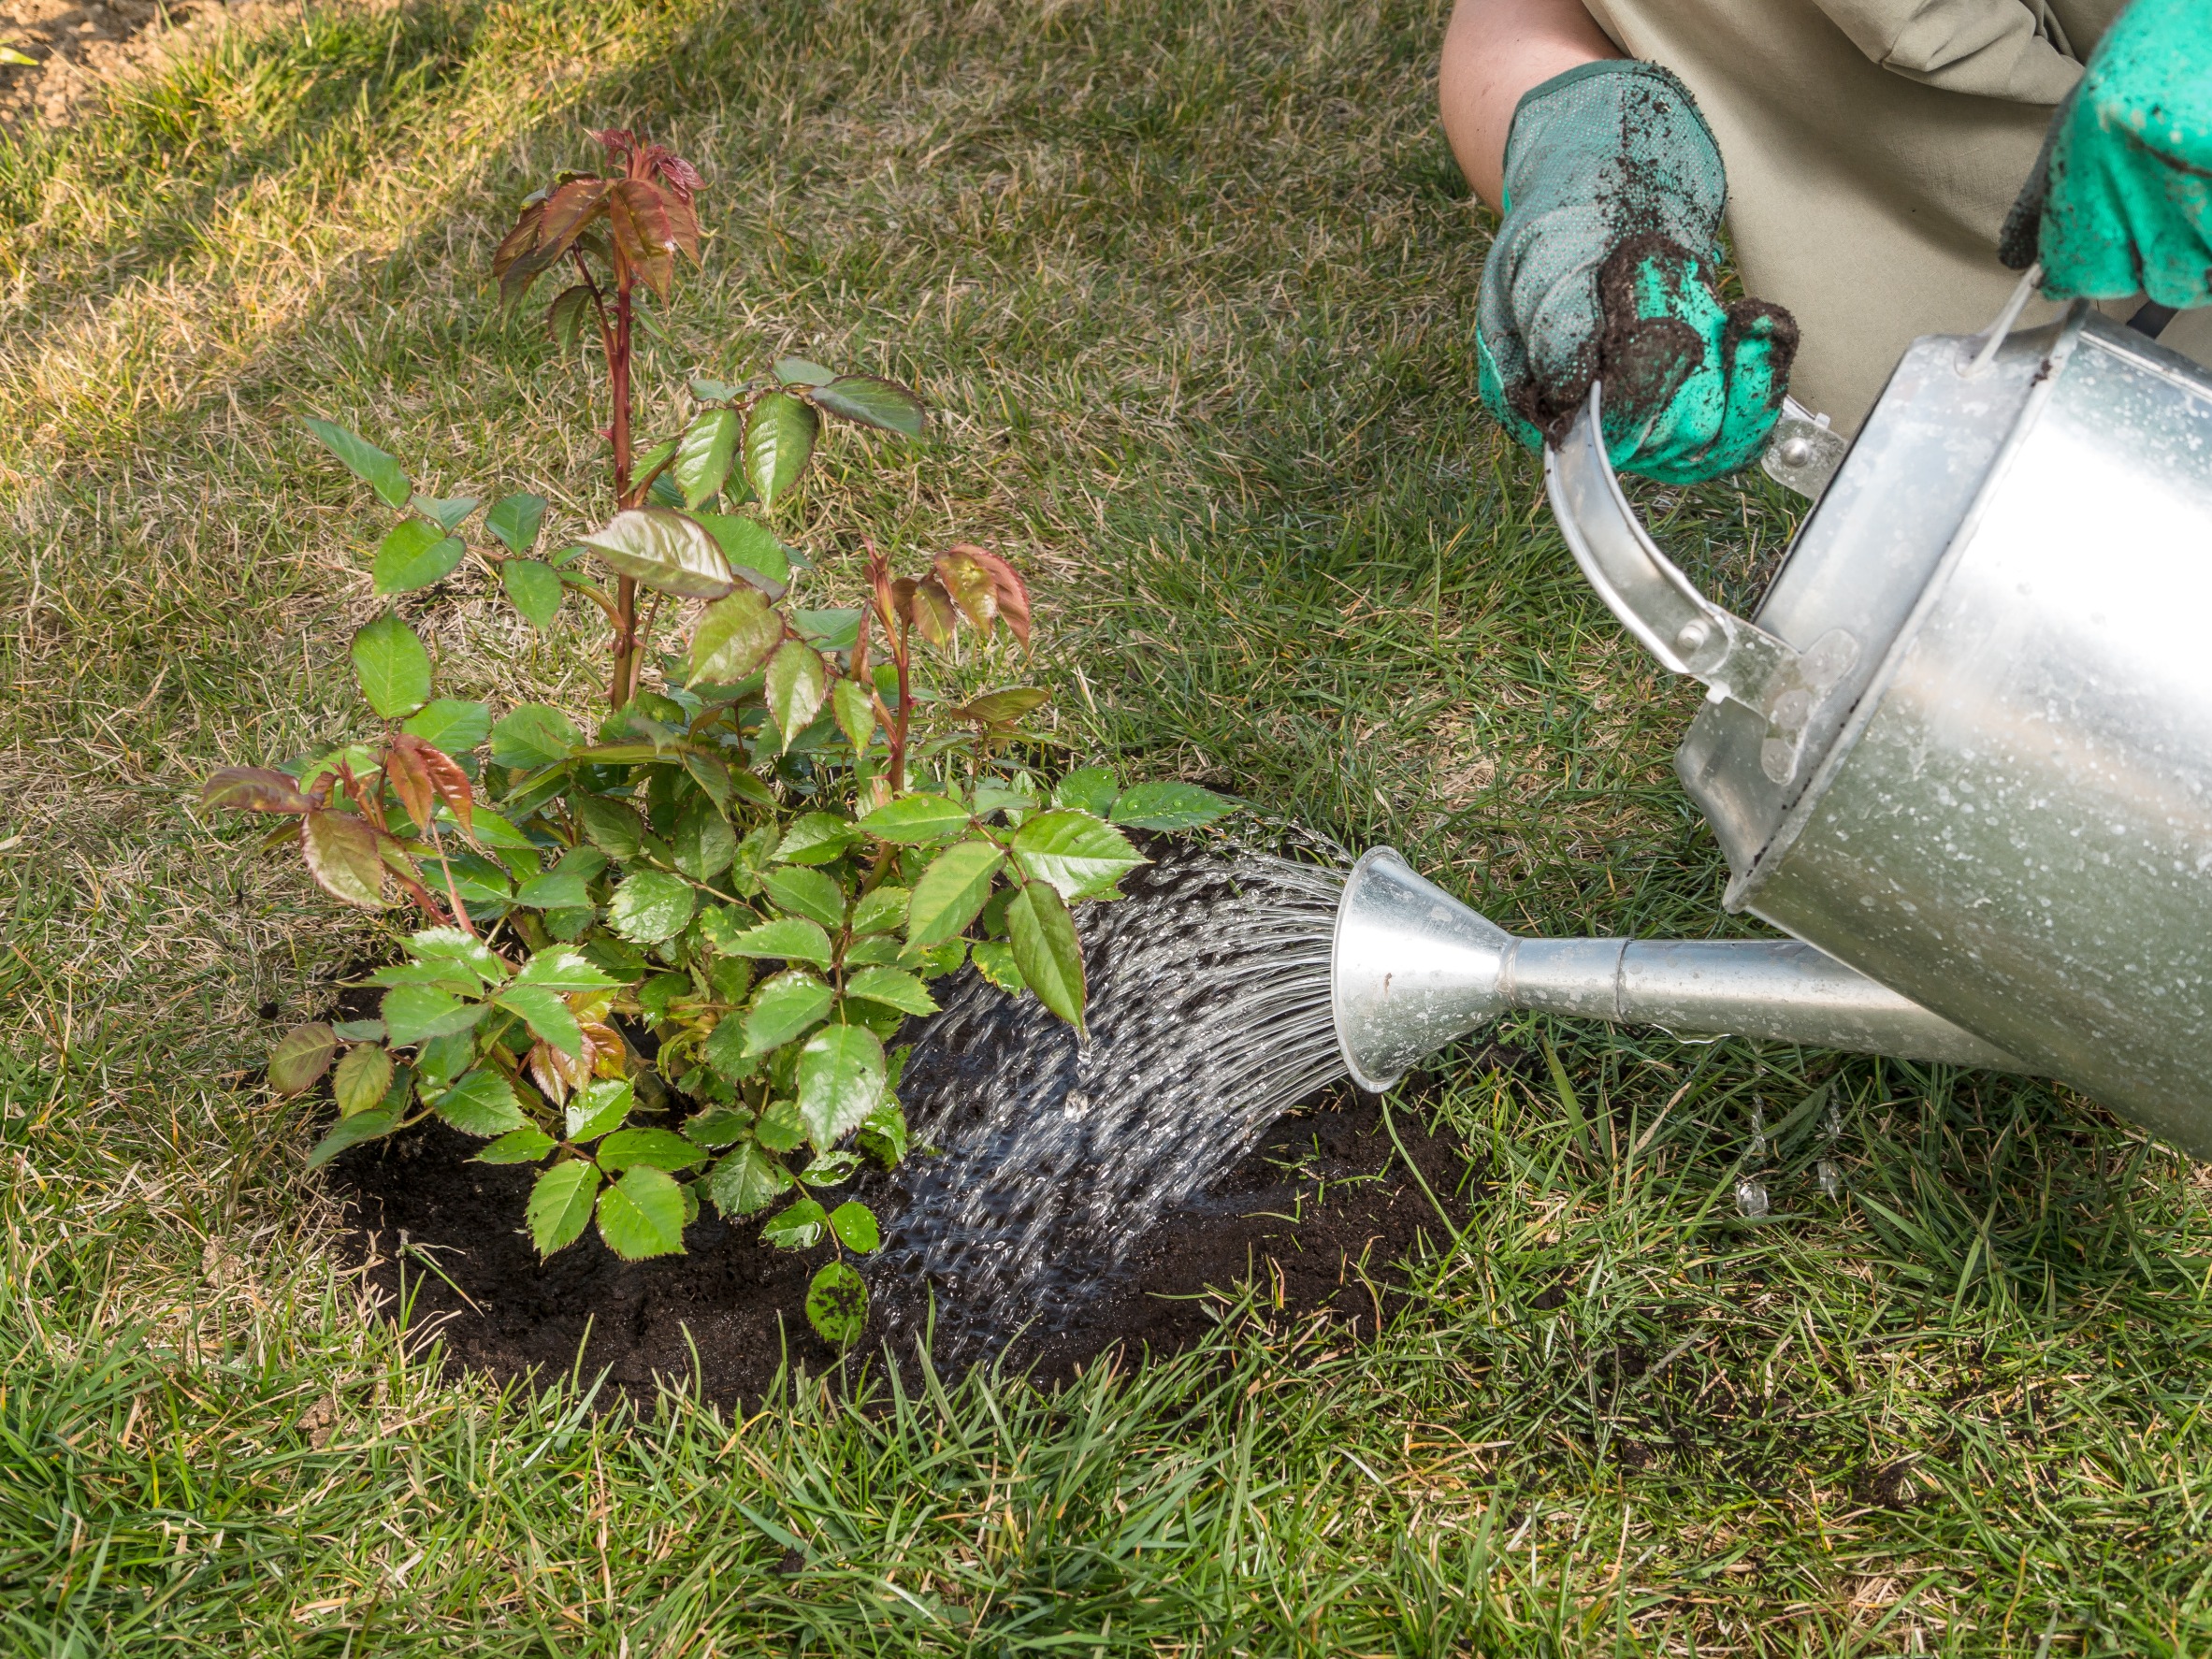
{"x": 1318, "y": 1216}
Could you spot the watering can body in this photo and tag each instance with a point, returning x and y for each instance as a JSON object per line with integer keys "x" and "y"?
{"x": 1965, "y": 747}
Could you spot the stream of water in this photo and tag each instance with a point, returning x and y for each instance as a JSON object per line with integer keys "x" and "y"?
{"x": 1209, "y": 1019}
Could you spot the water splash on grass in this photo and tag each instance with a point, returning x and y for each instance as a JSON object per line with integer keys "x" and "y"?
{"x": 1209, "y": 1018}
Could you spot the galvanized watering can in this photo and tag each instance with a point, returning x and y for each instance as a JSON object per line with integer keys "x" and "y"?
{"x": 1963, "y": 755}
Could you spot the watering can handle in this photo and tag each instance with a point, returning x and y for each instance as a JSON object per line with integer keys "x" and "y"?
{"x": 1738, "y": 661}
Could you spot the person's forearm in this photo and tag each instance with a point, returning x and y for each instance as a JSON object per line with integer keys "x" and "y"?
{"x": 1494, "y": 52}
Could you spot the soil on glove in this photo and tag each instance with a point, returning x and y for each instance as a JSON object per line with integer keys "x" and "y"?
{"x": 1316, "y": 1219}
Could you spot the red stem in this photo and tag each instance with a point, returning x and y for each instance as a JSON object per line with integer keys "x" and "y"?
{"x": 625, "y": 592}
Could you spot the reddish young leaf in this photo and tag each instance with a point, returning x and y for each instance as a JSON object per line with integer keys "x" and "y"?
{"x": 637, "y": 213}
{"x": 618, "y": 141}
{"x": 343, "y": 858}
{"x": 565, "y": 316}
{"x": 558, "y": 1076}
{"x": 679, "y": 175}
{"x": 519, "y": 241}
{"x": 571, "y": 208}
{"x": 253, "y": 790}
{"x": 934, "y": 613}
{"x": 446, "y": 779}
{"x": 971, "y": 586}
{"x": 1013, "y": 593}
{"x": 411, "y": 781}
{"x": 901, "y": 600}
{"x": 683, "y": 222}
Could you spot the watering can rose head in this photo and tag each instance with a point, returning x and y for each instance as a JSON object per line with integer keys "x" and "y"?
{"x": 664, "y": 958}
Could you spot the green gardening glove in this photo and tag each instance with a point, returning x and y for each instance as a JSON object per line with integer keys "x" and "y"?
{"x": 1605, "y": 269}
{"x": 2120, "y": 201}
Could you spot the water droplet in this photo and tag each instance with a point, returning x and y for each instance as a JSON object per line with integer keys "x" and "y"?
{"x": 1829, "y": 1176}
{"x": 1758, "y": 1131}
{"x": 1751, "y": 1197}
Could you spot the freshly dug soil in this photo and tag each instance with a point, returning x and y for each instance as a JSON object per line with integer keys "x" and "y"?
{"x": 1324, "y": 1199}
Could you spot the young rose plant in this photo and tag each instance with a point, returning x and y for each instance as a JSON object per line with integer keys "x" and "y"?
{"x": 661, "y": 959}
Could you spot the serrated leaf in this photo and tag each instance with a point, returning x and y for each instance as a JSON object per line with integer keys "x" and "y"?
{"x": 1047, "y": 951}
{"x": 1088, "y": 789}
{"x": 450, "y": 944}
{"x": 951, "y": 891}
{"x": 444, "y": 512}
{"x": 748, "y": 1181}
{"x": 532, "y": 735}
{"x": 613, "y": 827}
{"x": 558, "y": 889}
{"x": 598, "y": 1108}
{"x": 811, "y": 893}
{"x": 361, "y": 1079}
{"x": 483, "y": 1103}
{"x": 451, "y": 724}
{"x": 998, "y": 710}
{"x": 252, "y": 789}
{"x": 915, "y": 820}
{"x": 885, "y": 405}
{"x": 351, "y": 1132}
{"x": 837, "y": 1304}
{"x": 665, "y": 550}
{"x": 711, "y": 391}
{"x": 342, "y": 857}
{"x": 783, "y": 1007}
{"x": 803, "y": 371}
{"x": 517, "y": 1146}
{"x": 855, "y": 709}
{"x": 516, "y": 519}
{"x": 796, "y": 683}
{"x": 814, "y": 838}
{"x": 1169, "y": 807}
{"x": 561, "y": 969}
{"x": 894, "y": 987}
{"x": 994, "y": 960}
{"x": 300, "y": 1058}
{"x": 1079, "y": 855}
{"x": 854, "y": 1223}
{"x": 566, "y": 316}
{"x": 649, "y": 907}
{"x": 365, "y": 461}
{"x": 704, "y": 842}
{"x": 546, "y": 1012}
{"x": 534, "y": 590}
{"x": 840, "y": 1077}
{"x": 798, "y": 1227}
{"x": 561, "y": 1204}
{"x": 831, "y": 1169}
{"x": 414, "y": 555}
{"x": 789, "y": 939}
{"x": 416, "y": 1013}
{"x": 662, "y": 1148}
{"x": 393, "y": 668}
{"x": 704, "y": 453}
{"x": 733, "y": 638}
{"x": 752, "y": 549}
{"x": 881, "y": 911}
{"x": 779, "y": 436}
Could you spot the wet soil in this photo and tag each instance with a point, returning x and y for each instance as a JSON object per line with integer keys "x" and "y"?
{"x": 1317, "y": 1216}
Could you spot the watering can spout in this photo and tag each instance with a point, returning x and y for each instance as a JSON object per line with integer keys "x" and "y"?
{"x": 1414, "y": 969}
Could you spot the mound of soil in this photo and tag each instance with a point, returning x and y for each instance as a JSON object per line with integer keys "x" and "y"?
{"x": 1316, "y": 1217}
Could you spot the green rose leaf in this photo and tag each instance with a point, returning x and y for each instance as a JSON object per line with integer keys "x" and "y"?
{"x": 854, "y": 1223}
{"x": 797, "y": 1228}
{"x": 746, "y": 1181}
{"x": 717, "y": 1127}
{"x": 534, "y": 734}
{"x": 795, "y": 687}
{"x": 416, "y": 1013}
{"x": 814, "y": 838}
{"x": 558, "y": 889}
{"x": 951, "y": 891}
{"x": 561, "y": 969}
{"x": 882, "y": 404}
{"x": 703, "y": 455}
{"x": 994, "y": 960}
{"x": 1079, "y": 855}
{"x": 856, "y": 714}
{"x": 837, "y": 1304}
{"x": 451, "y": 724}
{"x": 483, "y": 1103}
{"x": 561, "y": 1204}
{"x": 803, "y": 371}
{"x": 515, "y": 520}
{"x": 534, "y": 590}
{"x": 750, "y": 546}
{"x": 392, "y": 666}
{"x": 1047, "y": 951}
{"x": 778, "y": 439}
{"x": 813, "y": 894}
{"x": 444, "y": 512}
{"x": 789, "y": 939}
{"x": 365, "y": 461}
{"x": 598, "y": 1108}
{"x": 300, "y": 1058}
{"x": 704, "y": 844}
{"x": 662, "y": 1148}
{"x": 894, "y": 987}
{"x": 450, "y": 944}
{"x": 1088, "y": 789}
{"x": 517, "y": 1146}
{"x": 547, "y": 1014}
{"x": 342, "y": 857}
{"x": 881, "y": 911}
{"x": 1169, "y": 807}
{"x": 784, "y": 1006}
{"x": 840, "y": 1077}
{"x": 914, "y": 820}
{"x": 414, "y": 555}
{"x": 664, "y": 549}
{"x": 361, "y": 1080}
{"x": 613, "y": 827}
{"x": 649, "y": 907}
{"x": 351, "y": 1132}
{"x": 733, "y": 638}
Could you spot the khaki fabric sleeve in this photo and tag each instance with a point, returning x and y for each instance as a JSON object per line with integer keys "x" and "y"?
{"x": 1992, "y": 49}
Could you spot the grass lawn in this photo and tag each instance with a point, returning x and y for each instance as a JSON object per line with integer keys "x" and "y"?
{"x": 1192, "y": 285}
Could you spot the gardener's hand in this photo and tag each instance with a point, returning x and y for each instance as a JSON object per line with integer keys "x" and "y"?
{"x": 1605, "y": 269}
{"x": 2120, "y": 201}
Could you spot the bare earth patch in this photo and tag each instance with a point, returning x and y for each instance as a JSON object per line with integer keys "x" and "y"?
{"x": 81, "y": 44}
